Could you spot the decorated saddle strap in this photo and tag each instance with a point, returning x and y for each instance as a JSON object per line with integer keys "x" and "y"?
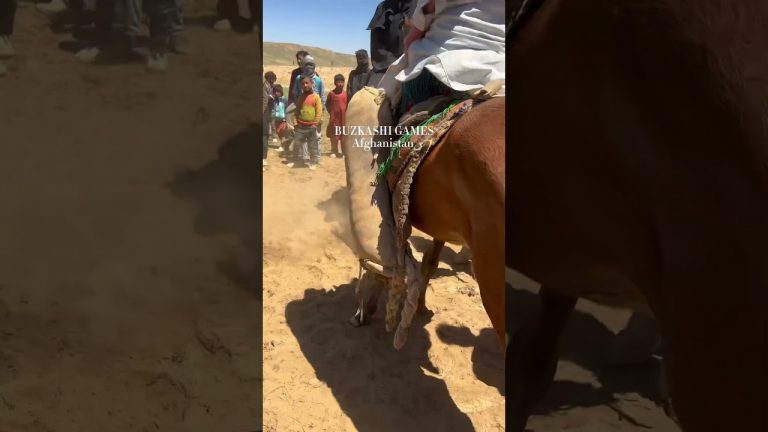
{"x": 401, "y": 176}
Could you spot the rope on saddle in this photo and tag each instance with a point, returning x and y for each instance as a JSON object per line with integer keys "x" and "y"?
{"x": 399, "y": 170}
{"x": 402, "y": 179}
{"x": 404, "y": 140}
{"x": 405, "y": 278}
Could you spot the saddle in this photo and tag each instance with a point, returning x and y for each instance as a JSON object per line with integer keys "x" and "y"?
{"x": 436, "y": 115}
{"x": 427, "y": 123}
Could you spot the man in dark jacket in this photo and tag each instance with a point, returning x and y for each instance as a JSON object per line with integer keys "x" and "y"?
{"x": 388, "y": 32}
{"x": 358, "y": 78}
{"x": 294, "y": 76}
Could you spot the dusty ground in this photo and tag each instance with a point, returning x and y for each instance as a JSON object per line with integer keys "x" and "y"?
{"x": 129, "y": 299}
{"x": 323, "y": 375}
{"x": 130, "y": 239}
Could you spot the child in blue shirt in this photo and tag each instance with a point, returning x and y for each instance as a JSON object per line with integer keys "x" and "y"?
{"x": 278, "y": 115}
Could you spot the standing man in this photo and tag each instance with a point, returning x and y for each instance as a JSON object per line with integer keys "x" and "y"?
{"x": 267, "y": 103}
{"x": 358, "y": 78}
{"x": 161, "y": 13}
{"x": 308, "y": 71}
{"x": 133, "y": 13}
{"x": 7, "y": 16}
{"x": 295, "y": 74}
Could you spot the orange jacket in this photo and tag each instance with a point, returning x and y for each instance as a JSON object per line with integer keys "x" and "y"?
{"x": 310, "y": 108}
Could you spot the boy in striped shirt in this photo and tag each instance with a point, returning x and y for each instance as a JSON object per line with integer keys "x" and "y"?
{"x": 306, "y": 140}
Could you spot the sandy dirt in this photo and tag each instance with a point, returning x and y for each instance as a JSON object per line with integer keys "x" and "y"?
{"x": 129, "y": 295}
{"x": 130, "y": 239}
{"x": 323, "y": 375}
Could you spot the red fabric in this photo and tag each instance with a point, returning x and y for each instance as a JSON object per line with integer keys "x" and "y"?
{"x": 336, "y": 146}
{"x": 280, "y": 127}
{"x": 336, "y": 104}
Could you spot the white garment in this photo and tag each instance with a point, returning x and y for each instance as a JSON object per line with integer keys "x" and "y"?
{"x": 463, "y": 47}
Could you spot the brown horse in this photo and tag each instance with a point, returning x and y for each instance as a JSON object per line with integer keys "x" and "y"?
{"x": 636, "y": 175}
{"x": 457, "y": 196}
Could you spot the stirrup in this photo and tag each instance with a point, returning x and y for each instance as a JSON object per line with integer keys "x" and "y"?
{"x": 376, "y": 268}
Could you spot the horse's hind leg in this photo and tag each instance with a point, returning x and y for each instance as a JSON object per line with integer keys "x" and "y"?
{"x": 428, "y": 267}
{"x": 368, "y": 297}
{"x": 489, "y": 273}
{"x": 532, "y": 357}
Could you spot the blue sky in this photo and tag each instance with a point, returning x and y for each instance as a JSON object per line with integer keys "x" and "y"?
{"x": 338, "y": 25}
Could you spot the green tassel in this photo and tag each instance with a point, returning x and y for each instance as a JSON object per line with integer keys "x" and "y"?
{"x": 395, "y": 152}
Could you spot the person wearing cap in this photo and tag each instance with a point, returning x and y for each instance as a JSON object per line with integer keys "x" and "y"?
{"x": 308, "y": 70}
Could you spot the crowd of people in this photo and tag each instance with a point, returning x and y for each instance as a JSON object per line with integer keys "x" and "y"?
{"x": 300, "y": 141}
{"x": 117, "y": 26}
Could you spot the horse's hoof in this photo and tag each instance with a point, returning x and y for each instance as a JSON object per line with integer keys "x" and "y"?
{"x": 355, "y": 322}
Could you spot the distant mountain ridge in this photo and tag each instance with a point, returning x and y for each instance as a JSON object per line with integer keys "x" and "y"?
{"x": 279, "y": 53}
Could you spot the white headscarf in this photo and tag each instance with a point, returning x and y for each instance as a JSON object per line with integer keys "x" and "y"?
{"x": 463, "y": 47}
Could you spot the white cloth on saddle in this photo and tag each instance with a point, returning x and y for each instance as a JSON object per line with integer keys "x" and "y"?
{"x": 463, "y": 47}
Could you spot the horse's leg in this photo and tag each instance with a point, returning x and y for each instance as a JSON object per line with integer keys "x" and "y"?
{"x": 489, "y": 272}
{"x": 371, "y": 300}
{"x": 368, "y": 296}
{"x": 428, "y": 267}
{"x": 532, "y": 357}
